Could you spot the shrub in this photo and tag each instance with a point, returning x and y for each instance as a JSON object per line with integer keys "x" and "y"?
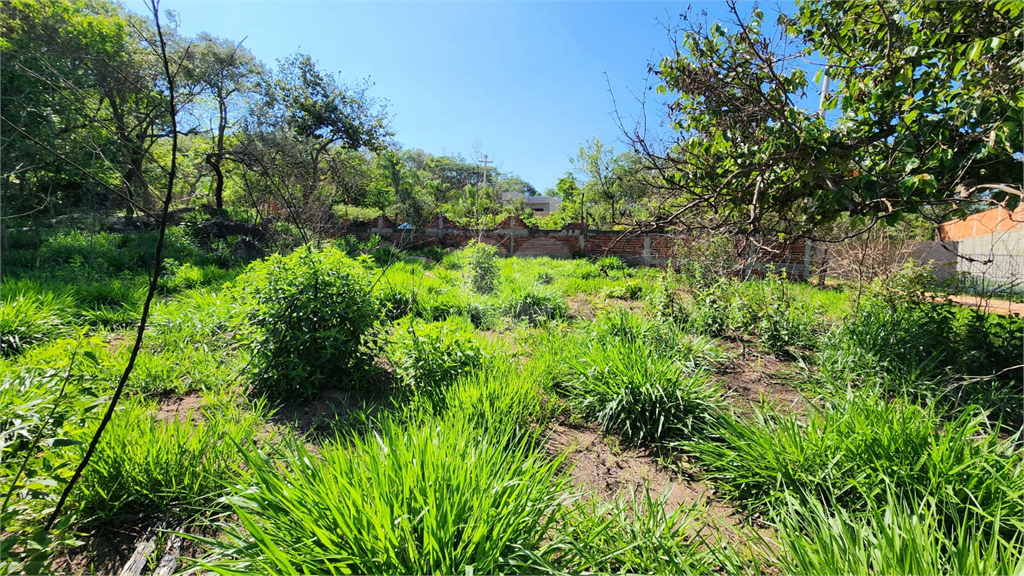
{"x": 305, "y": 316}
{"x": 768, "y": 309}
{"x": 480, "y": 262}
{"x": 429, "y": 497}
{"x": 148, "y": 466}
{"x": 429, "y": 357}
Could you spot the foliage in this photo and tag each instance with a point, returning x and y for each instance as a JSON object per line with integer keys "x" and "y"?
{"x": 926, "y": 127}
{"x": 430, "y": 357}
{"x": 305, "y": 316}
{"x": 44, "y": 412}
{"x": 481, "y": 266}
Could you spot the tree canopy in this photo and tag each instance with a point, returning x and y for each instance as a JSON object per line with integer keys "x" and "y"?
{"x": 929, "y": 95}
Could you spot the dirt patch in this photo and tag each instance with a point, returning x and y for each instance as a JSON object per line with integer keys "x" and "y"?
{"x": 180, "y": 408}
{"x": 754, "y": 376}
{"x": 602, "y": 470}
{"x": 587, "y": 307}
{"x": 332, "y": 411}
{"x": 989, "y": 305}
{"x": 109, "y": 547}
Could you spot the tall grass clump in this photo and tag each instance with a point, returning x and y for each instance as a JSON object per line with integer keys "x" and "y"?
{"x": 499, "y": 398}
{"x": 428, "y": 357}
{"x": 894, "y": 537}
{"x": 155, "y": 467}
{"x": 304, "y": 317}
{"x": 533, "y": 303}
{"x": 641, "y": 536}
{"x": 857, "y": 449}
{"x": 31, "y": 318}
{"x": 426, "y": 498}
{"x": 634, "y": 377}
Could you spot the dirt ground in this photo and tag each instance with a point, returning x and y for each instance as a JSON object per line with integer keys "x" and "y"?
{"x": 1001, "y": 307}
{"x": 755, "y": 376}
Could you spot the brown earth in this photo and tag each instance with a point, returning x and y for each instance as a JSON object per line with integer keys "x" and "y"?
{"x": 599, "y": 469}
{"x": 180, "y": 408}
{"x": 754, "y": 376}
{"x": 989, "y": 305}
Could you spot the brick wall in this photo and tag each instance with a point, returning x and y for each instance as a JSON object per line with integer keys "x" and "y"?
{"x": 987, "y": 222}
{"x": 513, "y": 237}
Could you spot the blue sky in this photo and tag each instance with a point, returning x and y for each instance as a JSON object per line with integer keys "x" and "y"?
{"x": 524, "y": 83}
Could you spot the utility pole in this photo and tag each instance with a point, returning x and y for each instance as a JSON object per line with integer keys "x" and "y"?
{"x": 824, "y": 96}
{"x": 485, "y": 162}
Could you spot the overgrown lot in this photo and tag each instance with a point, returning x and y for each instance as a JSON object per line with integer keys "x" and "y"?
{"x": 345, "y": 409}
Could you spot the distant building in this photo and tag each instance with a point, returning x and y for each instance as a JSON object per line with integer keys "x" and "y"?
{"x": 541, "y": 205}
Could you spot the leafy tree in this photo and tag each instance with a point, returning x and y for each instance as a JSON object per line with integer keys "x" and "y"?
{"x": 225, "y": 70}
{"x": 929, "y": 94}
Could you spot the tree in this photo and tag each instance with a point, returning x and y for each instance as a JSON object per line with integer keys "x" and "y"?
{"x": 930, "y": 98}
{"x": 225, "y": 70}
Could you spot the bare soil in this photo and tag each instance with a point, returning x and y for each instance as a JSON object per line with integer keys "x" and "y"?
{"x": 599, "y": 469}
{"x": 180, "y": 408}
{"x": 989, "y": 305}
{"x": 331, "y": 411}
{"x": 754, "y": 376}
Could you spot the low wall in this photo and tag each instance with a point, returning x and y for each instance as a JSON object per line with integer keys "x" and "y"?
{"x": 513, "y": 237}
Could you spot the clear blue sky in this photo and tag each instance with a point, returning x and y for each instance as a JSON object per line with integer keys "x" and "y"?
{"x": 522, "y": 82}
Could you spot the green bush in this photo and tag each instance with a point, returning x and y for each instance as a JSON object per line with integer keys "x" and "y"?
{"x": 768, "y": 309}
{"x": 429, "y": 497}
{"x": 305, "y": 316}
{"x": 480, "y": 261}
{"x": 430, "y": 357}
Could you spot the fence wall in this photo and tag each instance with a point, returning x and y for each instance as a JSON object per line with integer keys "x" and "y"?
{"x": 997, "y": 258}
{"x": 513, "y": 237}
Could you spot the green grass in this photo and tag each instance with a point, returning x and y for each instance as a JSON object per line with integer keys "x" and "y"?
{"x": 640, "y": 378}
{"x": 157, "y": 467}
{"x": 894, "y": 538}
{"x": 859, "y": 448}
{"x": 426, "y": 497}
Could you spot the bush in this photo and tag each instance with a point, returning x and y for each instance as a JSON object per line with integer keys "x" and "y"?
{"x": 432, "y": 497}
{"x": 305, "y": 316}
{"x": 480, "y": 262}
{"x": 430, "y": 357}
{"x": 768, "y": 309}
